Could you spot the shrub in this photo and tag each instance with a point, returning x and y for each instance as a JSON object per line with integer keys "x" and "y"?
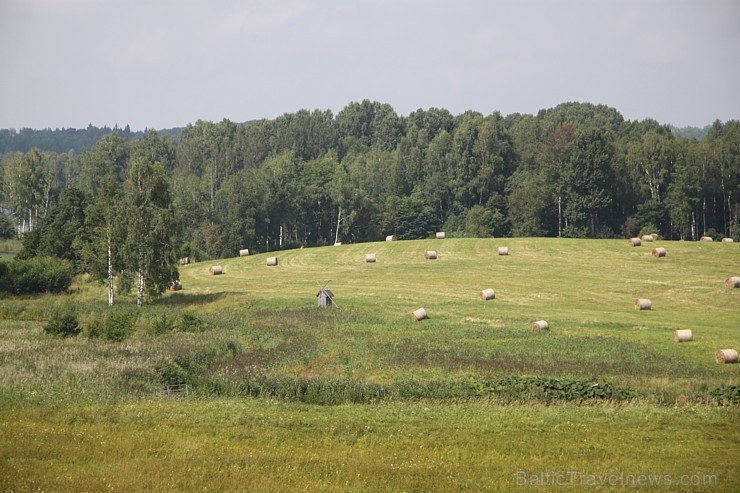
{"x": 170, "y": 373}
{"x": 550, "y": 389}
{"x": 36, "y": 275}
{"x": 188, "y": 322}
{"x": 161, "y": 325}
{"x": 116, "y": 325}
{"x": 727, "y": 394}
{"x": 64, "y": 325}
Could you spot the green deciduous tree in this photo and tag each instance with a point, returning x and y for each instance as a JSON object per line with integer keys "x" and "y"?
{"x": 414, "y": 219}
{"x": 148, "y": 251}
{"x": 104, "y": 222}
{"x": 62, "y": 232}
{"x": 589, "y": 176}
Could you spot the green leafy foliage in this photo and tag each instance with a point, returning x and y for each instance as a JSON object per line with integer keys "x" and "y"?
{"x": 116, "y": 324}
{"x": 36, "y": 275}
{"x": 550, "y": 390}
{"x": 727, "y": 394}
{"x": 64, "y": 325}
{"x": 170, "y": 373}
{"x": 188, "y": 322}
{"x": 7, "y": 230}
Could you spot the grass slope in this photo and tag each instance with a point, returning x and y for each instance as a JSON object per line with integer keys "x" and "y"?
{"x": 84, "y": 413}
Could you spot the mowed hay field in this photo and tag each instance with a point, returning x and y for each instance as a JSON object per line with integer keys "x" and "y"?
{"x": 284, "y": 396}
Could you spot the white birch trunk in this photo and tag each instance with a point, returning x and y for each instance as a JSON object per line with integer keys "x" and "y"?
{"x": 140, "y": 291}
{"x": 110, "y": 271}
{"x": 339, "y": 220}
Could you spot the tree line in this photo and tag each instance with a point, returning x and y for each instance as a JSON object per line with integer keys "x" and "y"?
{"x": 312, "y": 178}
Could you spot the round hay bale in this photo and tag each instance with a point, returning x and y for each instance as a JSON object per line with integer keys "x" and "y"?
{"x": 244, "y": 252}
{"x": 540, "y": 325}
{"x": 420, "y": 314}
{"x": 655, "y": 236}
{"x": 643, "y": 304}
{"x": 647, "y": 238}
{"x": 706, "y": 238}
{"x": 684, "y": 335}
{"x": 391, "y": 238}
{"x": 727, "y": 240}
{"x": 215, "y": 270}
{"x": 659, "y": 252}
{"x": 733, "y": 282}
{"x": 503, "y": 250}
{"x": 370, "y": 258}
{"x": 430, "y": 255}
{"x": 487, "y": 294}
{"x": 635, "y": 242}
{"x": 440, "y": 235}
{"x": 725, "y": 356}
{"x": 184, "y": 261}
{"x": 271, "y": 261}
{"x": 175, "y": 286}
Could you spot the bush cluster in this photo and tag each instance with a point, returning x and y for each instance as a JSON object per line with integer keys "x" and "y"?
{"x": 117, "y": 324}
{"x": 184, "y": 322}
{"x": 727, "y": 394}
{"x": 550, "y": 389}
{"x": 65, "y": 325}
{"x": 35, "y": 275}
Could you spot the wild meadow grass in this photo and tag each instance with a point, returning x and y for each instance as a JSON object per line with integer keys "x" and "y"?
{"x": 285, "y": 396}
{"x": 263, "y": 445}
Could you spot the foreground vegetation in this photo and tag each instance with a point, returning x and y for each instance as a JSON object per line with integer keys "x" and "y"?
{"x": 248, "y": 445}
{"x": 282, "y": 395}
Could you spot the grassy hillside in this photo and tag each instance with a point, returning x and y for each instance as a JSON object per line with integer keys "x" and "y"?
{"x": 449, "y": 403}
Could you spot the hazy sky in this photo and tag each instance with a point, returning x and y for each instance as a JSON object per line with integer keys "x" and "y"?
{"x": 166, "y": 63}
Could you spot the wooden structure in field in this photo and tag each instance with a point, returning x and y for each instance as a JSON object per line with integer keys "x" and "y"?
{"x": 325, "y": 298}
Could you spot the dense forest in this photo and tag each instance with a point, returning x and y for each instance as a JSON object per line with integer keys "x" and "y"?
{"x": 312, "y": 178}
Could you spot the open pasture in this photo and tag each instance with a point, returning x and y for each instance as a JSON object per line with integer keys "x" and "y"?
{"x": 415, "y": 405}
{"x": 586, "y": 290}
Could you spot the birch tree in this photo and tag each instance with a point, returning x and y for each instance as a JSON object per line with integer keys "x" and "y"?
{"x": 103, "y": 219}
{"x": 149, "y": 227}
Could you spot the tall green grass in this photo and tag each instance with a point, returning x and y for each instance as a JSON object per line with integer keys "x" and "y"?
{"x": 264, "y": 446}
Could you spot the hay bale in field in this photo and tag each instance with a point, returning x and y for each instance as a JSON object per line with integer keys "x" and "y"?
{"x": 733, "y": 282}
{"x": 391, "y": 238}
{"x": 540, "y": 325}
{"x": 184, "y": 261}
{"x": 271, "y": 261}
{"x": 440, "y": 235}
{"x": 503, "y": 250}
{"x": 647, "y": 238}
{"x": 635, "y": 242}
{"x": 655, "y": 236}
{"x": 420, "y": 314}
{"x": 175, "y": 286}
{"x": 244, "y": 252}
{"x": 430, "y": 255}
{"x": 370, "y": 258}
{"x": 643, "y": 304}
{"x": 487, "y": 294}
{"x": 683, "y": 335}
{"x": 727, "y": 240}
{"x": 706, "y": 238}
{"x": 659, "y": 252}
{"x": 215, "y": 270}
{"x": 724, "y": 356}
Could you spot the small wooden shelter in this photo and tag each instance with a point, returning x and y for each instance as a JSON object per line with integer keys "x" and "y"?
{"x": 325, "y": 298}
